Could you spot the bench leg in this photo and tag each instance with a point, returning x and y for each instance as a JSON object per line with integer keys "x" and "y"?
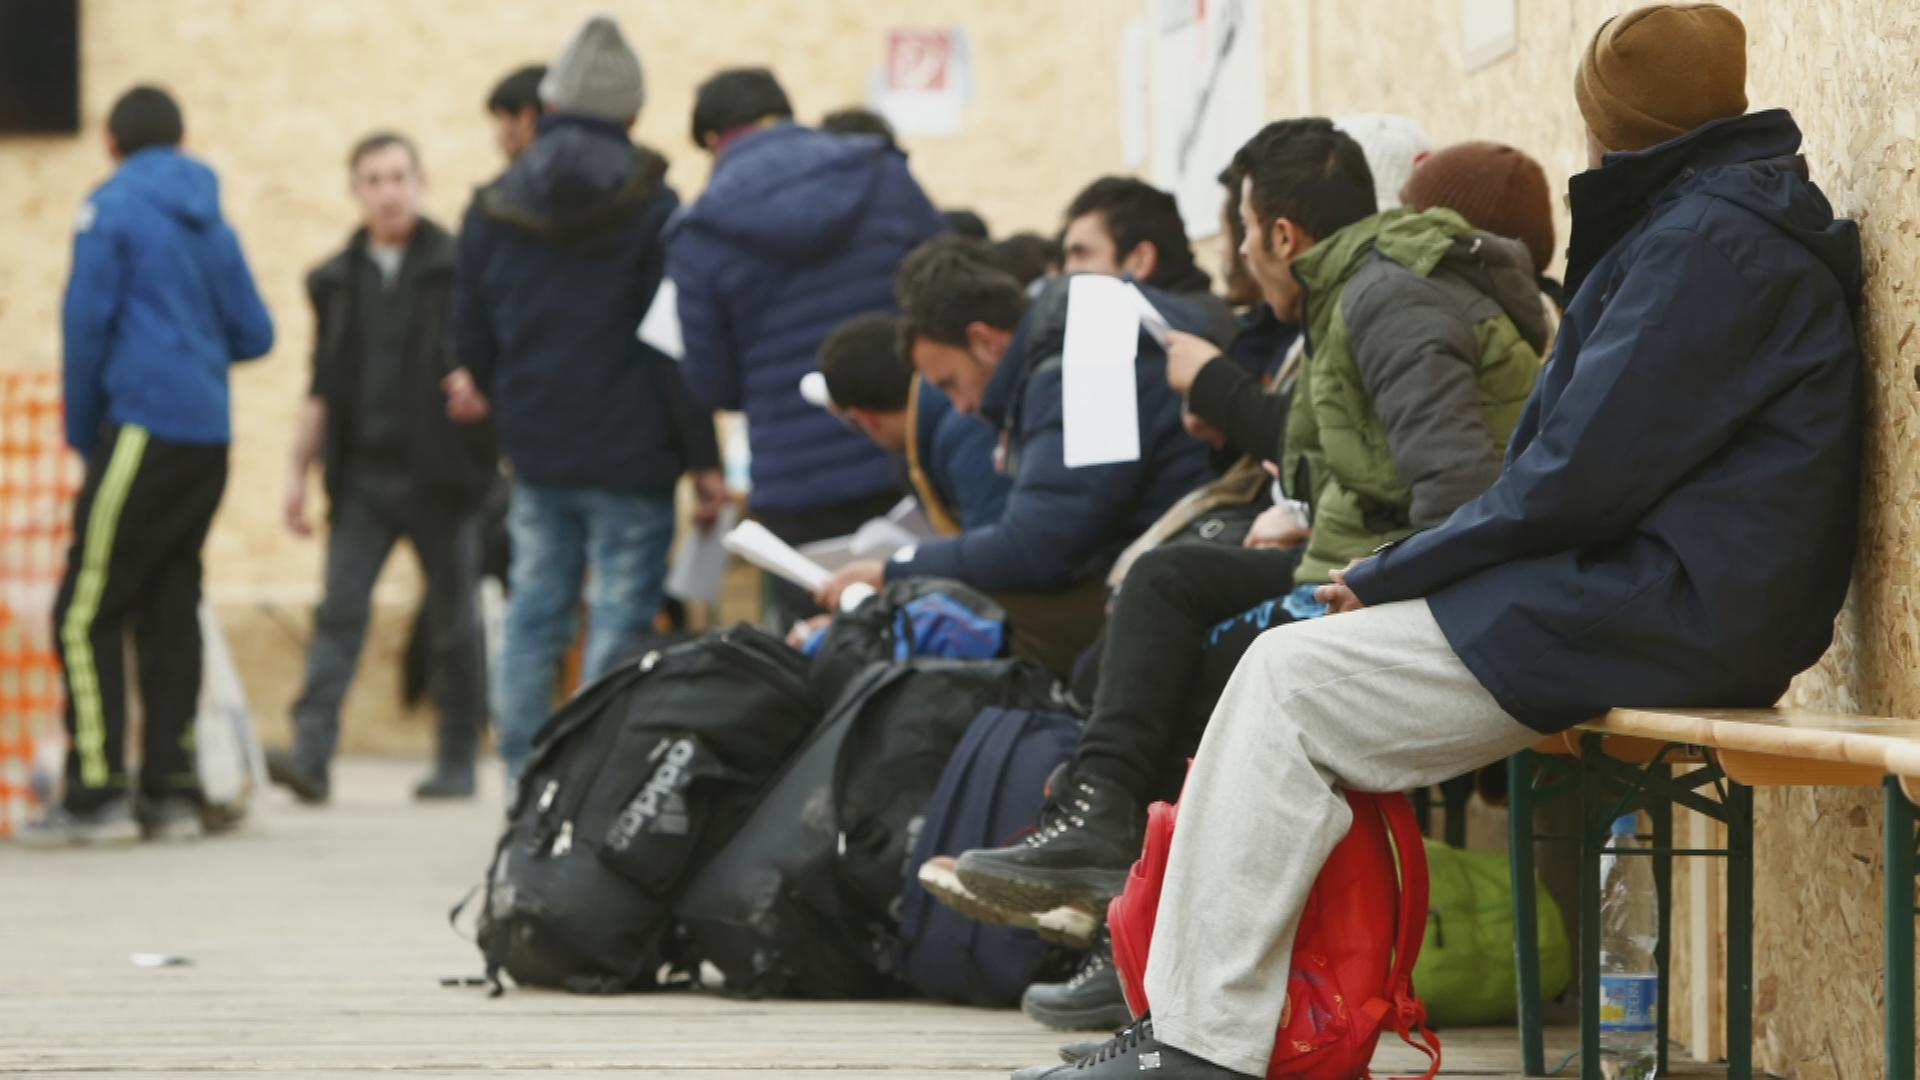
{"x": 1660, "y": 808}
{"x": 1899, "y": 932}
{"x": 1526, "y": 914}
{"x": 1455, "y": 794}
{"x": 1591, "y": 844}
{"x": 1422, "y": 799}
{"x": 1739, "y": 800}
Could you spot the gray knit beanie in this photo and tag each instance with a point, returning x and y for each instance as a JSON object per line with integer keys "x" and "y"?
{"x": 597, "y": 74}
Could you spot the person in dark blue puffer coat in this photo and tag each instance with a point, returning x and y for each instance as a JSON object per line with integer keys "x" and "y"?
{"x": 797, "y": 231}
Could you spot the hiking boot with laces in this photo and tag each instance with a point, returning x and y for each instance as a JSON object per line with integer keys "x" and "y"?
{"x": 1073, "y": 927}
{"x": 1089, "y": 836}
{"x": 1129, "y": 1054}
{"x": 1089, "y": 1001}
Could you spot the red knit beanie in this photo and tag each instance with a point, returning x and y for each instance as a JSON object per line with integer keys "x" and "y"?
{"x": 1496, "y": 188}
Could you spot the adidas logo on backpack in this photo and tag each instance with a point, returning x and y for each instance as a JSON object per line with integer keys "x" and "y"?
{"x": 659, "y": 808}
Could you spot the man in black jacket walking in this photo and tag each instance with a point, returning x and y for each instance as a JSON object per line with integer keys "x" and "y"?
{"x": 394, "y": 466}
{"x": 559, "y": 261}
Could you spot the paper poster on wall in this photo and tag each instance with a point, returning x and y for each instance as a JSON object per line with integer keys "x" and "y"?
{"x": 1488, "y": 30}
{"x": 926, "y": 82}
{"x": 1209, "y": 88}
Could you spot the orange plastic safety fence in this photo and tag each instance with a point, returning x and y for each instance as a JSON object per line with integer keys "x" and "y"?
{"x": 38, "y": 481}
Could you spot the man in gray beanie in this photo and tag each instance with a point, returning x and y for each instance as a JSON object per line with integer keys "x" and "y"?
{"x": 559, "y": 260}
{"x": 597, "y": 75}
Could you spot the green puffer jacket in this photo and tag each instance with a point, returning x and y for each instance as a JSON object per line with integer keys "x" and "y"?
{"x": 1423, "y": 342}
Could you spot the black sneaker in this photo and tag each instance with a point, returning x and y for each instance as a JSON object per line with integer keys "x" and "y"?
{"x": 109, "y": 824}
{"x": 1128, "y": 1054}
{"x": 446, "y": 783}
{"x": 1089, "y": 1001}
{"x": 309, "y": 786}
{"x": 170, "y": 817}
{"x": 1089, "y": 837}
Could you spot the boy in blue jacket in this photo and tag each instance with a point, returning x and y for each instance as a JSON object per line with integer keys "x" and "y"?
{"x": 948, "y": 456}
{"x": 159, "y": 304}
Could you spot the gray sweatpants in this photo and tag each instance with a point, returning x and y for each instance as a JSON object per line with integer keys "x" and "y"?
{"x": 1374, "y": 700}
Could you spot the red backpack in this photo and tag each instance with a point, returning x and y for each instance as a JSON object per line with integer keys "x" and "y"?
{"x": 1350, "y": 979}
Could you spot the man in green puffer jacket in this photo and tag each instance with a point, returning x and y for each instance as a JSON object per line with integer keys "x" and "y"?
{"x": 1423, "y": 342}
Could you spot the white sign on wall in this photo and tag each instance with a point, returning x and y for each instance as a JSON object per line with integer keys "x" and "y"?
{"x": 926, "y": 82}
{"x": 1209, "y": 89}
{"x": 1488, "y": 30}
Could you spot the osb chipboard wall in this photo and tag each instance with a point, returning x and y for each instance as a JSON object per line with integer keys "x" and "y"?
{"x": 1846, "y": 69}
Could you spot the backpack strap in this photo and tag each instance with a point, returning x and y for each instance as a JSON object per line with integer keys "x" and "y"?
{"x": 1408, "y": 1014}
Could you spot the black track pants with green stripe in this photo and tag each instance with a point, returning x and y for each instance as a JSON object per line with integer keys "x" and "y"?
{"x": 139, "y": 525}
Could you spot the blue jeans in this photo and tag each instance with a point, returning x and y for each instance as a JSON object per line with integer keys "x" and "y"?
{"x": 615, "y": 544}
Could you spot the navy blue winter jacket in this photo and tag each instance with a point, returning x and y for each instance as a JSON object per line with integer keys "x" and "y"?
{"x": 559, "y": 260}
{"x": 1676, "y": 522}
{"x": 1062, "y": 524}
{"x": 798, "y": 231}
{"x": 957, "y": 453}
{"x": 160, "y": 303}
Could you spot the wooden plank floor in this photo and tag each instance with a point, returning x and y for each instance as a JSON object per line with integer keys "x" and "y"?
{"x": 318, "y": 939}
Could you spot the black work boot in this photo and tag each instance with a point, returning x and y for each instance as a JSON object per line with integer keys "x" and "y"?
{"x": 1129, "y": 1054}
{"x": 308, "y": 785}
{"x": 1089, "y": 1001}
{"x": 1089, "y": 837}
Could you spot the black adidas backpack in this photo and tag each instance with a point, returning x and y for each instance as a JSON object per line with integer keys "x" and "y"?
{"x": 631, "y": 787}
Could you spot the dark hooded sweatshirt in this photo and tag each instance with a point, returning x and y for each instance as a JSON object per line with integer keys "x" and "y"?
{"x": 559, "y": 260}
{"x": 1676, "y": 522}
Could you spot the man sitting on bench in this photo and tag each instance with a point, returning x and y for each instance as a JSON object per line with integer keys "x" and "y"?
{"x": 1675, "y": 527}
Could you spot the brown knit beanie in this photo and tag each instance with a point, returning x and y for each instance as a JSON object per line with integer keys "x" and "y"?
{"x": 1659, "y": 72}
{"x": 1496, "y": 188}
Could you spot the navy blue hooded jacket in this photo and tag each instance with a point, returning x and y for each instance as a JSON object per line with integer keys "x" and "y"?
{"x": 798, "y": 231}
{"x": 957, "y": 453}
{"x": 1677, "y": 518}
{"x": 559, "y": 260}
{"x": 160, "y": 303}
{"x": 1062, "y": 524}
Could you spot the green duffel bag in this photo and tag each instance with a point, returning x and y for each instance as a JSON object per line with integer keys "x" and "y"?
{"x": 1466, "y": 969}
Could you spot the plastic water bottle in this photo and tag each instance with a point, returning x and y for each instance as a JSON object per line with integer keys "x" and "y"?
{"x": 1629, "y": 979}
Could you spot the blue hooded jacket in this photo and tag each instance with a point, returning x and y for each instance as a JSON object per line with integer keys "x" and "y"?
{"x": 1676, "y": 522}
{"x": 1062, "y": 524}
{"x": 160, "y": 303}
{"x": 798, "y": 231}
{"x": 957, "y": 453}
{"x": 559, "y": 261}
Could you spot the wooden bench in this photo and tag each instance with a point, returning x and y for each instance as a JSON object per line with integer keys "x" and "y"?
{"x": 1708, "y": 761}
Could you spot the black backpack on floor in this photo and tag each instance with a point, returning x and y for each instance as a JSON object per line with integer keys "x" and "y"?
{"x": 632, "y": 784}
{"x": 804, "y": 902}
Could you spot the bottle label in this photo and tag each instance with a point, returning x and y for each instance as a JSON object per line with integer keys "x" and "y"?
{"x": 1629, "y": 1002}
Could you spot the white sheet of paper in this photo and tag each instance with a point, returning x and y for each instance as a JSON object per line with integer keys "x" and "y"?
{"x": 702, "y": 561}
{"x": 1154, "y": 323}
{"x": 660, "y": 327}
{"x": 751, "y": 541}
{"x": 1100, "y": 405}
